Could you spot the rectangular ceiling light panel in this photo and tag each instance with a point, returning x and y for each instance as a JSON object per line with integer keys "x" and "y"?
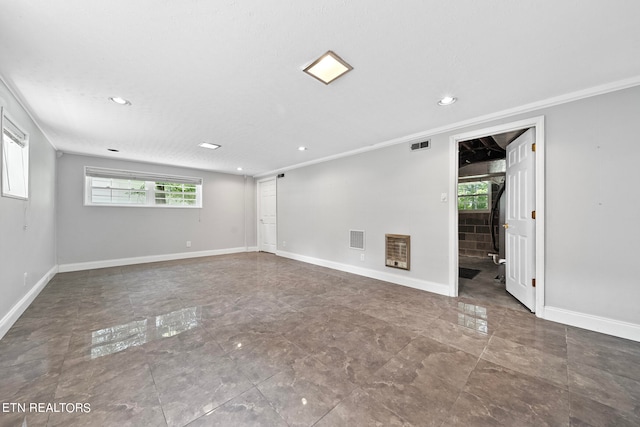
{"x": 209, "y": 145}
{"x": 328, "y": 67}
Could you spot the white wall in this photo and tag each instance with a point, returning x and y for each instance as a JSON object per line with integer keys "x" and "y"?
{"x": 30, "y": 250}
{"x": 386, "y": 191}
{"x": 592, "y": 201}
{"x": 591, "y": 205}
{"x": 93, "y": 236}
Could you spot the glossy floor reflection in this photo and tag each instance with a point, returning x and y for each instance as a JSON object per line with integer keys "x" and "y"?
{"x": 485, "y": 287}
{"x": 253, "y": 339}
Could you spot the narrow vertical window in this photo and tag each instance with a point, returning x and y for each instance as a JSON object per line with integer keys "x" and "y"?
{"x": 15, "y": 159}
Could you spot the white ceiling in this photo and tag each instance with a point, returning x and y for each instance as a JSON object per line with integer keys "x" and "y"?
{"x": 230, "y": 72}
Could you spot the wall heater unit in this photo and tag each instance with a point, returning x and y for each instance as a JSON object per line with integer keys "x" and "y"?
{"x": 398, "y": 251}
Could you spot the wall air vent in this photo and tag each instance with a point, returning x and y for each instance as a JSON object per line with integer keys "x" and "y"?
{"x": 421, "y": 145}
{"x": 398, "y": 251}
{"x": 356, "y": 239}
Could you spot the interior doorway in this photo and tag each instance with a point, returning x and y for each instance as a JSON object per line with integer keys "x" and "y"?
{"x": 480, "y": 160}
{"x": 267, "y": 216}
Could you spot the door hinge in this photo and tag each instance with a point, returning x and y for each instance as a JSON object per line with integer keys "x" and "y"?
{"x": 533, "y": 282}
{"x": 533, "y": 214}
{"x": 533, "y": 147}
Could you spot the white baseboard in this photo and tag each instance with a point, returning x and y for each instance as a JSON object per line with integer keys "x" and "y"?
{"x": 252, "y": 249}
{"x": 630, "y": 331}
{"x": 64, "y": 268}
{"x": 16, "y": 311}
{"x": 397, "y": 279}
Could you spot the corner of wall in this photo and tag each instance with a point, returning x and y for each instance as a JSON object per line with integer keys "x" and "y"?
{"x": 20, "y": 307}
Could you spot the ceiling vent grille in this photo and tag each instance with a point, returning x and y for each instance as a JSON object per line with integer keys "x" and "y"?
{"x": 356, "y": 239}
{"x": 421, "y": 145}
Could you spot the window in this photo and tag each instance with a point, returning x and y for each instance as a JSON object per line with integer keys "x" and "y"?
{"x": 110, "y": 187}
{"x": 474, "y": 196}
{"x": 15, "y": 159}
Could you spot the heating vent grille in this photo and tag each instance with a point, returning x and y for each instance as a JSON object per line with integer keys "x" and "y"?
{"x": 398, "y": 251}
{"x": 356, "y": 239}
{"x": 421, "y": 145}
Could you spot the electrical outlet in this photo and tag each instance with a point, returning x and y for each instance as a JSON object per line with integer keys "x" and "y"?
{"x": 188, "y": 243}
{"x": 25, "y": 279}
{"x": 284, "y": 243}
{"x": 361, "y": 257}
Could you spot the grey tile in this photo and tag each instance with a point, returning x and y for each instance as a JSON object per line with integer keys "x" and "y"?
{"x": 81, "y": 376}
{"x": 267, "y": 357}
{"x": 589, "y": 413}
{"x": 467, "y": 337}
{"x": 412, "y": 391}
{"x": 583, "y": 336}
{"x": 136, "y": 407}
{"x": 242, "y": 339}
{"x": 512, "y": 398}
{"x": 527, "y": 360}
{"x": 552, "y": 341}
{"x": 356, "y": 360}
{"x": 413, "y": 321}
{"x": 244, "y": 334}
{"x": 470, "y": 410}
{"x": 30, "y": 381}
{"x": 447, "y": 363}
{"x": 615, "y": 356}
{"x": 20, "y": 419}
{"x": 305, "y": 391}
{"x": 172, "y": 360}
{"x": 360, "y": 410}
{"x": 197, "y": 390}
{"x": 605, "y": 387}
{"x": 18, "y": 349}
{"x": 250, "y": 409}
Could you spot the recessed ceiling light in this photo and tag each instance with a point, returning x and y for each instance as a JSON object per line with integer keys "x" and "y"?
{"x": 120, "y": 101}
{"x": 239, "y": 168}
{"x": 302, "y": 148}
{"x": 328, "y": 67}
{"x": 447, "y": 100}
{"x": 208, "y": 145}
{"x": 113, "y": 150}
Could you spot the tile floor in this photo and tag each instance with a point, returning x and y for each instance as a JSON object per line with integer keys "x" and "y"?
{"x": 253, "y": 339}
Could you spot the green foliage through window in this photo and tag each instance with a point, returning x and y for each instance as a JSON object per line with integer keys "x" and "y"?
{"x": 106, "y": 187}
{"x": 474, "y": 196}
{"x": 167, "y": 193}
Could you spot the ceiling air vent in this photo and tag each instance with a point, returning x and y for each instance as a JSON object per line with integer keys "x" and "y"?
{"x": 421, "y": 145}
{"x": 356, "y": 239}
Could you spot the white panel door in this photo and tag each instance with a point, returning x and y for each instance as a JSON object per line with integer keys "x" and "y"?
{"x": 267, "y": 220}
{"x": 519, "y": 224}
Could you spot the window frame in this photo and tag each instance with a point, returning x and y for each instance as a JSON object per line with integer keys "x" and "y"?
{"x": 150, "y": 180}
{"x": 488, "y": 194}
{"x": 6, "y": 118}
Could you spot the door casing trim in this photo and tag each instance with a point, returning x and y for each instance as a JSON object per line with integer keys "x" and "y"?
{"x": 259, "y": 210}
{"x": 538, "y": 124}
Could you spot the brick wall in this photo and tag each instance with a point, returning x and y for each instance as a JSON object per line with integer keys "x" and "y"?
{"x": 474, "y": 233}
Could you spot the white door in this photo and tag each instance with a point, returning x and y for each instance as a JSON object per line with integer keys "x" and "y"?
{"x": 520, "y": 225}
{"x": 267, "y": 235}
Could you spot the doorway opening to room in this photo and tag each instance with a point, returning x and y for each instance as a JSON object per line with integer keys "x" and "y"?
{"x": 497, "y": 200}
{"x": 267, "y": 216}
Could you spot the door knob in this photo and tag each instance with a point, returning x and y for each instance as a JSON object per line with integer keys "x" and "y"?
{"x": 505, "y": 226}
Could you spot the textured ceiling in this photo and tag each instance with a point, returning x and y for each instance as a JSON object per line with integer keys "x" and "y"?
{"x": 230, "y": 72}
